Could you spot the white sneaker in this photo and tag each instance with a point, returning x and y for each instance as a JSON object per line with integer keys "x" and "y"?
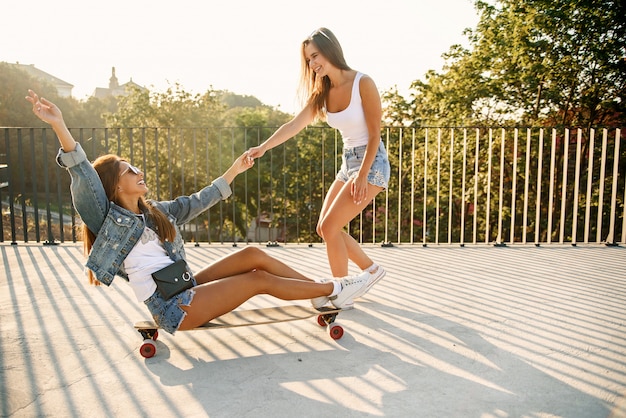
{"x": 373, "y": 279}
{"x": 320, "y": 301}
{"x": 351, "y": 288}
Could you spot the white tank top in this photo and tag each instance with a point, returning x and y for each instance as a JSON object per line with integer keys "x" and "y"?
{"x": 351, "y": 121}
{"x": 146, "y": 257}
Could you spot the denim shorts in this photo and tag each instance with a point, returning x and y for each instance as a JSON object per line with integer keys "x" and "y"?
{"x": 351, "y": 163}
{"x": 168, "y": 314}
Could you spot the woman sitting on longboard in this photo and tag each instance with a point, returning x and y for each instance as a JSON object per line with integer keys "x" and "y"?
{"x": 127, "y": 235}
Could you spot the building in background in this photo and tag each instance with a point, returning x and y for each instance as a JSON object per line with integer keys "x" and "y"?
{"x": 115, "y": 89}
{"x": 64, "y": 89}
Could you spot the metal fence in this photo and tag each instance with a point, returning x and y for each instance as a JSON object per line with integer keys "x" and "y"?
{"x": 449, "y": 185}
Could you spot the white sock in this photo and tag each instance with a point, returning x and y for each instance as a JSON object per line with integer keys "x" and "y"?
{"x": 372, "y": 269}
{"x": 336, "y": 288}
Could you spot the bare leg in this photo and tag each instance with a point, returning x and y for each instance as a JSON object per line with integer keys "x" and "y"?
{"x": 355, "y": 252}
{"x": 354, "y": 249}
{"x": 218, "y": 297}
{"x": 338, "y": 210}
{"x": 244, "y": 261}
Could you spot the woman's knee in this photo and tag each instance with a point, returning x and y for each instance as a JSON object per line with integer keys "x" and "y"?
{"x": 326, "y": 229}
{"x": 253, "y": 254}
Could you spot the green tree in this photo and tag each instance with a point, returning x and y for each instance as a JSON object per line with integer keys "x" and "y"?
{"x": 535, "y": 63}
{"x": 531, "y": 62}
{"x": 24, "y": 151}
{"x": 194, "y": 137}
{"x": 232, "y": 100}
{"x": 15, "y": 110}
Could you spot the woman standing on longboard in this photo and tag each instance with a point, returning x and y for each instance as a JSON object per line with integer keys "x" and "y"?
{"x": 349, "y": 101}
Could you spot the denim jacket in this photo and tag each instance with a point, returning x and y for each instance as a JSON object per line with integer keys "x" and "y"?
{"x": 117, "y": 229}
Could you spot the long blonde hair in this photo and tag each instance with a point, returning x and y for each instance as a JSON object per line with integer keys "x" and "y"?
{"x": 314, "y": 90}
{"x": 108, "y": 169}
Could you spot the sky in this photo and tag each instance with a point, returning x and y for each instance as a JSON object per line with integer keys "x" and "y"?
{"x": 248, "y": 47}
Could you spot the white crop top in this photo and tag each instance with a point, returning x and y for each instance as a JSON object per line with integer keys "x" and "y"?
{"x": 351, "y": 121}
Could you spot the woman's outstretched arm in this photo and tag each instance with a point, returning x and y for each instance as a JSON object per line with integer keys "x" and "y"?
{"x": 51, "y": 114}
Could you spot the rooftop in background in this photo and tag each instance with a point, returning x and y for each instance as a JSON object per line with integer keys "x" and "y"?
{"x": 64, "y": 89}
{"x": 514, "y": 331}
{"x": 115, "y": 89}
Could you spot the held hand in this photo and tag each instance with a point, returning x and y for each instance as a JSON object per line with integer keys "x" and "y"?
{"x": 44, "y": 109}
{"x": 255, "y": 152}
{"x": 242, "y": 163}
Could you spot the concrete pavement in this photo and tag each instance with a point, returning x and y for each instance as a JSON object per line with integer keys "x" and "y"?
{"x": 477, "y": 331}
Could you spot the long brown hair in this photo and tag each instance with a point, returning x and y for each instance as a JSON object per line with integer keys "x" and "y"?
{"x": 314, "y": 90}
{"x": 108, "y": 169}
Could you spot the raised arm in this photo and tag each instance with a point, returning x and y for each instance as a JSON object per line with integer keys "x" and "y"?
{"x": 285, "y": 132}
{"x": 50, "y": 113}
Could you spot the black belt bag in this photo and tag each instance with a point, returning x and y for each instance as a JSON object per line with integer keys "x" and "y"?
{"x": 173, "y": 279}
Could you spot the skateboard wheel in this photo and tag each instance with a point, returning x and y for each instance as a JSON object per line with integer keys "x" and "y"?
{"x": 147, "y": 349}
{"x": 336, "y": 331}
{"x": 155, "y": 336}
{"x": 326, "y": 319}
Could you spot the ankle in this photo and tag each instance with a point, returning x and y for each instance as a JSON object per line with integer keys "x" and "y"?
{"x": 336, "y": 288}
{"x": 373, "y": 268}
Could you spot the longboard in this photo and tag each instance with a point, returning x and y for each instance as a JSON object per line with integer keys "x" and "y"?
{"x": 241, "y": 318}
